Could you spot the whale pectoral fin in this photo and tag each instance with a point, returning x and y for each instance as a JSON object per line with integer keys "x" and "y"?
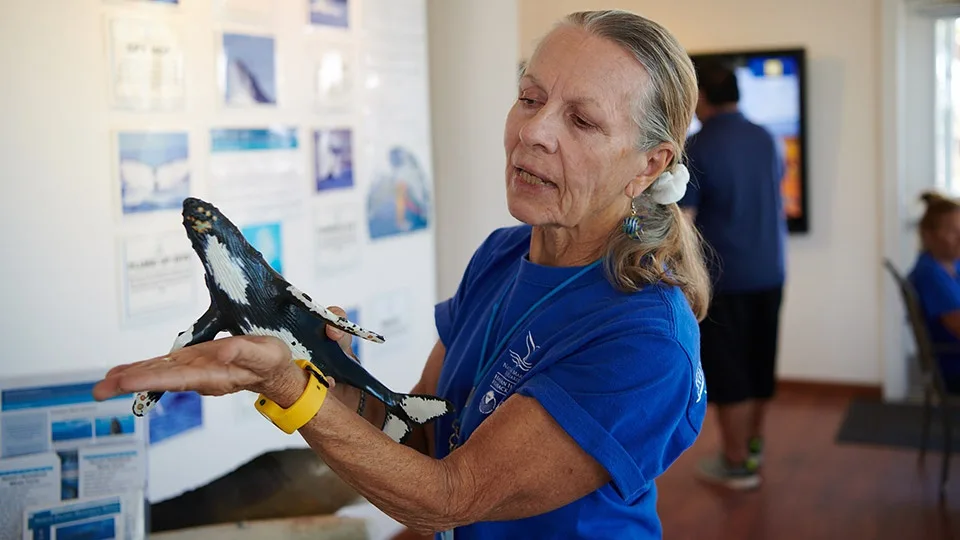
{"x": 351, "y": 327}
{"x": 299, "y": 298}
{"x": 204, "y": 329}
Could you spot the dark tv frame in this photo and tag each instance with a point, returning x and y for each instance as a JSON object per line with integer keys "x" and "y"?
{"x": 800, "y": 224}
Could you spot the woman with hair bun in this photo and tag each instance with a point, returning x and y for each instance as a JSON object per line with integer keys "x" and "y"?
{"x": 936, "y": 278}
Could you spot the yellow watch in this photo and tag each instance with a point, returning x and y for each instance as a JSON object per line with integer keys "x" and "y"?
{"x": 303, "y": 409}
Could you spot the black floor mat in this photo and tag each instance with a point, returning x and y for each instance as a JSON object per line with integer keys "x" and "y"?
{"x": 895, "y": 424}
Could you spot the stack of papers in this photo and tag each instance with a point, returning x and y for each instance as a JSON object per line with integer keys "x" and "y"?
{"x": 70, "y": 467}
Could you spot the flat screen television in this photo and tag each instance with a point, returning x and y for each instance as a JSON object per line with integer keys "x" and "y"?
{"x": 772, "y": 93}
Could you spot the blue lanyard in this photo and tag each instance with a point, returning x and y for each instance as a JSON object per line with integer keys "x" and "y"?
{"x": 486, "y": 363}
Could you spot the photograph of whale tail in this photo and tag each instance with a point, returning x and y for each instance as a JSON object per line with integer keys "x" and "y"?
{"x": 248, "y": 297}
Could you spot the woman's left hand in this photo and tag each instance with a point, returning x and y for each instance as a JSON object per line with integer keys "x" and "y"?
{"x": 218, "y": 367}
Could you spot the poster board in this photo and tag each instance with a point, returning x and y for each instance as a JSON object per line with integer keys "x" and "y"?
{"x": 152, "y": 102}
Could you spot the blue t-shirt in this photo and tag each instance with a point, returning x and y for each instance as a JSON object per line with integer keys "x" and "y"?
{"x": 736, "y": 169}
{"x": 619, "y": 372}
{"x": 939, "y": 294}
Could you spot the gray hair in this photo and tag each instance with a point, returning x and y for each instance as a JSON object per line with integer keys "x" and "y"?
{"x": 670, "y": 249}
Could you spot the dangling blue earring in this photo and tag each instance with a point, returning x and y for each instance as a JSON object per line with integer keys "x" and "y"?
{"x": 632, "y": 226}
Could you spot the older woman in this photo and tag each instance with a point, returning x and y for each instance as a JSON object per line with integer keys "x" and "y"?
{"x": 570, "y": 349}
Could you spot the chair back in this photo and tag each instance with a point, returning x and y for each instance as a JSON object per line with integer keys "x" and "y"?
{"x": 926, "y": 352}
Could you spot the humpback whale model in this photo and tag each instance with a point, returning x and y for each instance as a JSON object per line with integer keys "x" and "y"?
{"x": 248, "y": 297}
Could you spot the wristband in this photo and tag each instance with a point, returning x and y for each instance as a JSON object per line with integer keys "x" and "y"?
{"x": 363, "y": 401}
{"x": 303, "y": 409}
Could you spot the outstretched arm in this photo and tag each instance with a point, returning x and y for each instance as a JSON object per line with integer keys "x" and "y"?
{"x": 518, "y": 463}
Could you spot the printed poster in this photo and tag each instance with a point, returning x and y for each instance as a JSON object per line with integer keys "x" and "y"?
{"x": 354, "y": 316}
{"x": 334, "y": 77}
{"x": 399, "y": 199}
{"x": 154, "y": 171}
{"x": 333, "y": 158}
{"x": 95, "y": 448}
{"x": 175, "y": 414}
{"x": 26, "y": 481}
{"x": 146, "y": 64}
{"x": 388, "y": 314}
{"x": 249, "y": 73}
{"x": 87, "y": 519}
{"x": 397, "y": 150}
{"x": 158, "y": 274}
{"x": 267, "y": 239}
{"x": 334, "y": 13}
{"x": 256, "y": 173}
{"x": 259, "y": 12}
{"x": 337, "y": 242}
{"x": 389, "y": 17}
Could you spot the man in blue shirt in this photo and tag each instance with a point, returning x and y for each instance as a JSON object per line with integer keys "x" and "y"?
{"x": 735, "y": 200}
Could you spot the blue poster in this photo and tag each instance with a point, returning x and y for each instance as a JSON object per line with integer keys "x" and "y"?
{"x": 176, "y": 413}
{"x": 399, "y": 199}
{"x": 330, "y": 12}
{"x": 253, "y": 140}
{"x": 333, "y": 161}
{"x": 113, "y": 426}
{"x": 154, "y": 171}
{"x": 266, "y": 239}
{"x": 67, "y": 430}
{"x": 250, "y": 64}
{"x": 69, "y": 474}
{"x": 354, "y": 316}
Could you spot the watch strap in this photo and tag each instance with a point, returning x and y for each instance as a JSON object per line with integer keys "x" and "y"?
{"x": 303, "y": 409}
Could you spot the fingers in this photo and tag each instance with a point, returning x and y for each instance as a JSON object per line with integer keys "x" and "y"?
{"x": 114, "y": 372}
{"x": 201, "y": 368}
{"x": 106, "y": 389}
{"x": 207, "y": 378}
{"x": 342, "y": 338}
{"x": 333, "y": 332}
{"x": 112, "y": 383}
{"x": 117, "y": 369}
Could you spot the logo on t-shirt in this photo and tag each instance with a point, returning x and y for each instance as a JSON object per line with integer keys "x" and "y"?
{"x": 699, "y": 383}
{"x": 524, "y": 363}
{"x": 488, "y": 402}
{"x": 507, "y": 376}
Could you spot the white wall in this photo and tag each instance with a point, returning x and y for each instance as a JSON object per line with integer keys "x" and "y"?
{"x": 907, "y": 83}
{"x": 831, "y": 318}
{"x": 60, "y": 277}
{"x": 473, "y": 66}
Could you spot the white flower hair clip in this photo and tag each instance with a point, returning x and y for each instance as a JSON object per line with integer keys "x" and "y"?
{"x": 670, "y": 186}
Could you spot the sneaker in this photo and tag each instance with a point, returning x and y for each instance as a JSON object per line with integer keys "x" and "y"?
{"x": 716, "y": 470}
{"x": 755, "y": 447}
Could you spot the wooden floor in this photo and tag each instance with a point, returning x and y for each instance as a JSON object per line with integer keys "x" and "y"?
{"x": 813, "y": 488}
